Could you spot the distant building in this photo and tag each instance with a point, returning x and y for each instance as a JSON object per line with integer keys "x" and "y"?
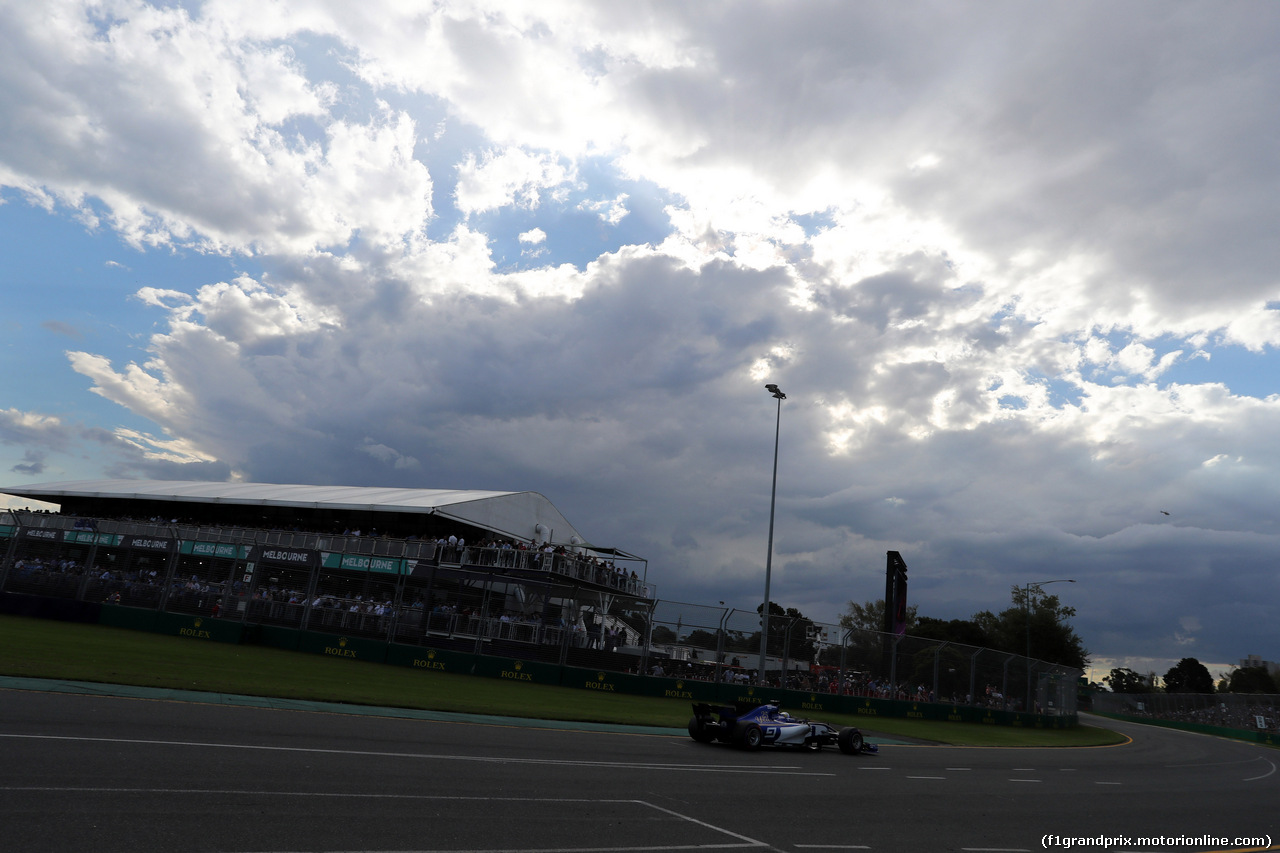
{"x": 1254, "y": 660}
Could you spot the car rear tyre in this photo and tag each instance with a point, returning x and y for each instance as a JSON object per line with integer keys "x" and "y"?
{"x": 850, "y": 741}
{"x": 750, "y": 736}
{"x": 699, "y": 732}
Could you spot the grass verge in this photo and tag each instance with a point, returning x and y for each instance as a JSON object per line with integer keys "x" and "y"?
{"x": 37, "y": 648}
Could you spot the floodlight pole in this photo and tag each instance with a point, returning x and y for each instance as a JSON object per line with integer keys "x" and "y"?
{"x": 1026, "y": 605}
{"x": 768, "y": 560}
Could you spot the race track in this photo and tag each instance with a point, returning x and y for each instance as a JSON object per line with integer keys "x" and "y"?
{"x": 109, "y": 774}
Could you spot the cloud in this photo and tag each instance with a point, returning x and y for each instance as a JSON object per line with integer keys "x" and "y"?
{"x": 108, "y": 114}
{"x": 388, "y": 455}
{"x": 611, "y": 211}
{"x": 122, "y": 453}
{"x": 32, "y": 428}
{"x": 1190, "y": 626}
{"x": 32, "y": 464}
{"x": 60, "y": 328}
{"x": 506, "y": 178}
{"x": 978, "y": 246}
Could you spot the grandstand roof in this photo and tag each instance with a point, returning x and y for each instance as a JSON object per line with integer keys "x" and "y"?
{"x": 512, "y": 513}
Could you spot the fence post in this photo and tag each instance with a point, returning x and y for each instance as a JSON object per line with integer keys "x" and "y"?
{"x": 937, "y": 653}
{"x": 973, "y": 676}
{"x": 89, "y": 559}
{"x": 170, "y": 572}
{"x": 11, "y": 549}
{"x": 720, "y": 636}
{"x": 1004, "y": 681}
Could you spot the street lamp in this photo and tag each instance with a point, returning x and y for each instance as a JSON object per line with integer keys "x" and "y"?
{"x": 1026, "y": 605}
{"x": 768, "y": 560}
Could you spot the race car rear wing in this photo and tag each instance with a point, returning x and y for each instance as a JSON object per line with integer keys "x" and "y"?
{"x": 727, "y": 713}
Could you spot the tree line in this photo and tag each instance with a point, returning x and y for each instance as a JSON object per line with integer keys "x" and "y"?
{"x": 1035, "y": 624}
{"x": 1191, "y": 676}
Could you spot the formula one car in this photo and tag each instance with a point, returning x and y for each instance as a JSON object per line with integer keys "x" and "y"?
{"x": 754, "y": 726}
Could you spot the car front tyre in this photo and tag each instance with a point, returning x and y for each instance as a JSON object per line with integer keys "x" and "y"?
{"x": 850, "y": 741}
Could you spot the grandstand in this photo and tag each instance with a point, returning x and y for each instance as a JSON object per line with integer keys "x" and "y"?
{"x": 470, "y": 570}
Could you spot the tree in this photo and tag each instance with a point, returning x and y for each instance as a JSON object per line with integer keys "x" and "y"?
{"x": 790, "y": 629}
{"x": 1251, "y": 679}
{"x": 1125, "y": 680}
{"x": 702, "y": 639}
{"x": 1050, "y": 633}
{"x": 870, "y": 616}
{"x": 1188, "y": 676}
{"x": 663, "y": 634}
{"x": 964, "y": 632}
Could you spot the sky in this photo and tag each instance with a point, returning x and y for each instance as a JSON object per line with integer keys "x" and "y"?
{"x": 1014, "y": 266}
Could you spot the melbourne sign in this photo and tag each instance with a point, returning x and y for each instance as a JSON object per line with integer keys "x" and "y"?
{"x": 149, "y": 543}
{"x": 300, "y": 557}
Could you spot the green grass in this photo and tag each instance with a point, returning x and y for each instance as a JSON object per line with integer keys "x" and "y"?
{"x": 37, "y": 648}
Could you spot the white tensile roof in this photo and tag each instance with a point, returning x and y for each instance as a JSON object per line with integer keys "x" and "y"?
{"x": 513, "y": 513}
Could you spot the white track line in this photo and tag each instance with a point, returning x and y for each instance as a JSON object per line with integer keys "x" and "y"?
{"x": 781, "y": 770}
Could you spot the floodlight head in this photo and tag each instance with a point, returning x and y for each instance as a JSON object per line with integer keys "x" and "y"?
{"x": 773, "y": 389}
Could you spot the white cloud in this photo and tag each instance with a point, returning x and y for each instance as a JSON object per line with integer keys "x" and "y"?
{"x": 165, "y": 449}
{"x": 510, "y": 177}
{"x": 611, "y": 211}
{"x": 19, "y": 427}
{"x": 1190, "y": 626}
{"x": 161, "y": 93}
{"x": 388, "y": 456}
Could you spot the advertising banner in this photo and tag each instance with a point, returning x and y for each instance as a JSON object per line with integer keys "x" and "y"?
{"x": 293, "y": 557}
{"x": 150, "y": 543}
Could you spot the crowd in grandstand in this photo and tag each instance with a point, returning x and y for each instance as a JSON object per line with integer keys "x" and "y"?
{"x": 574, "y": 562}
{"x": 558, "y": 559}
{"x": 62, "y": 576}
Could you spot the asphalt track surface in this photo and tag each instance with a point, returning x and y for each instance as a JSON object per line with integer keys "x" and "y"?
{"x": 104, "y": 773}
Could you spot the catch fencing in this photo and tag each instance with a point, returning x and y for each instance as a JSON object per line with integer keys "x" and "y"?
{"x": 722, "y": 643}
